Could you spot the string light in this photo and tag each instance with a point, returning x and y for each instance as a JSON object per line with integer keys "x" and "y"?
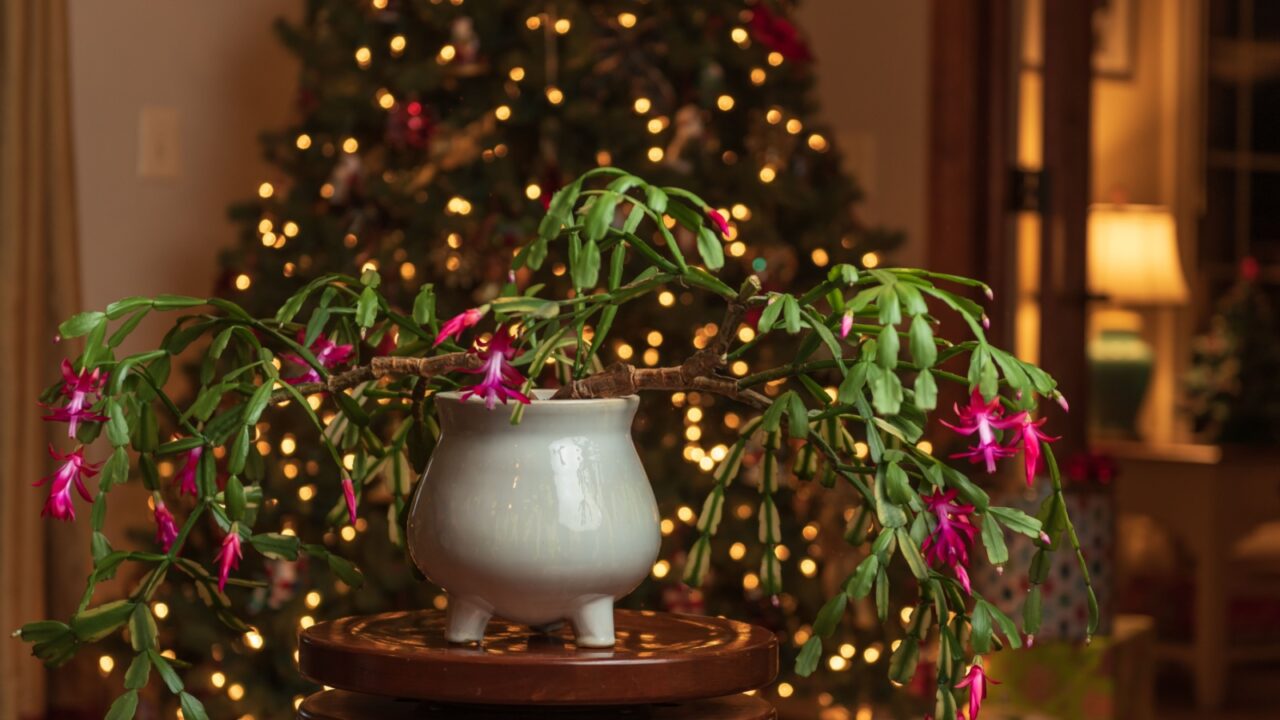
{"x": 656, "y": 125}
{"x": 625, "y": 351}
{"x": 563, "y": 25}
{"x": 666, "y": 298}
{"x": 363, "y": 56}
{"x": 661, "y": 568}
{"x": 397, "y": 44}
{"x": 819, "y": 257}
{"x": 502, "y": 112}
{"x": 366, "y": 267}
{"x": 667, "y": 526}
{"x": 693, "y": 414}
{"x": 656, "y": 154}
{"x": 739, "y": 35}
{"x": 603, "y": 158}
{"x": 303, "y": 142}
{"x": 554, "y": 95}
{"x": 348, "y": 533}
{"x": 627, "y": 20}
{"x": 266, "y": 190}
{"x": 870, "y": 260}
{"x": 106, "y": 664}
{"x": 686, "y": 514}
{"x": 808, "y": 567}
{"x": 785, "y": 690}
{"x": 725, "y": 102}
{"x": 782, "y": 552}
{"x": 458, "y": 206}
{"x": 767, "y": 174}
{"x": 350, "y": 145}
{"x": 847, "y": 651}
{"x": 817, "y": 143}
{"x": 217, "y": 679}
{"x": 750, "y": 581}
{"x": 739, "y": 368}
{"x": 837, "y": 663}
{"x": 268, "y": 239}
{"x": 906, "y": 614}
{"x": 386, "y": 100}
{"x": 243, "y": 282}
{"x": 794, "y": 126}
{"x": 737, "y": 249}
{"x": 775, "y": 58}
{"x": 160, "y": 609}
{"x": 447, "y": 53}
{"x": 306, "y": 492}
{"x": 651, "y": 357}
{"x": 312, "y": 599}
{"x": 253, "y": 639}
{"x": 693, "y": 433}
{"x": 533, "y": 23}
{"x": 380, "y": 4}
{"x": 235, "y": 691}
{"x": 758, "y": 76}
{"x": 642, "y": 105}
{"x": 516, "y": 74}
{"x": 925, "y": 447}
{"x": 871, "y": 655}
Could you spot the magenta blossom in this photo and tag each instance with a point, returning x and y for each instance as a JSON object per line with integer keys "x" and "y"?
{"x": 1029, "y": 436}
{"x": 328, "y": 353}
{"x": 976, "y": 680}
{"x": 186, "y": 477}
{"x": 952, "y": 534}
{"x": 349, "y": 493}
{"x": 73, "y": 471}
{"x": 166, "y": 528}
{"x": 454, "y": 326}
{"x": 722, "y": 225}
{"x": 846, "y": 324}
{"x": 228, "y": 558}
{"x": 984, "y": 418}
{"x": 79, "y": 389}
{"x": 501, "y": 379}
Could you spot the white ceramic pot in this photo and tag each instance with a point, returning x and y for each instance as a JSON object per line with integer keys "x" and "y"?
{"x": 545, "y": 521}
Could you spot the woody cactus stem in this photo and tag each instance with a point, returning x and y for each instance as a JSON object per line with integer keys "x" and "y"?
{"x": 698, "y": 372}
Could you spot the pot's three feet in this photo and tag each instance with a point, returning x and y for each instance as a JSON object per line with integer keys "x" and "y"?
{"x": 592, "y": 620}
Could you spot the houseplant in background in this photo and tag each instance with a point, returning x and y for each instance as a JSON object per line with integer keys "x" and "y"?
{"x": 368, "y": 377}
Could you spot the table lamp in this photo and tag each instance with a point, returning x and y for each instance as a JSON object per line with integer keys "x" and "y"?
{"x": 1133, "y": 262}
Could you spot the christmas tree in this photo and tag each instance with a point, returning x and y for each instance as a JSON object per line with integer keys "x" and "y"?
{"x": 429, "y": 134}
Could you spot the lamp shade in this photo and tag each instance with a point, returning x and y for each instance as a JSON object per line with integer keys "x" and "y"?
{"x": 1133, "y": 255}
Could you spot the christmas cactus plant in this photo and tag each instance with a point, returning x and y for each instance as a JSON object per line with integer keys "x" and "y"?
{"x": 863, "y": 366}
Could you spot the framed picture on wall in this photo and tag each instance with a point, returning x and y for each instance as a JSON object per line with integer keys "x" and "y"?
{"x": 1114, "y": 31}
{"x": 1114, "y": 36}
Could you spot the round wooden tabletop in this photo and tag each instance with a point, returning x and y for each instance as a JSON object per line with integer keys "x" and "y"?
{"x": 342, "y": 705}
{"x": 658, "y": 658}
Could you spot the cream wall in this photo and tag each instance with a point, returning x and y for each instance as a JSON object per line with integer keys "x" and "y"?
{"x": 872, "y": 65}
{"x": 220, "y": 66}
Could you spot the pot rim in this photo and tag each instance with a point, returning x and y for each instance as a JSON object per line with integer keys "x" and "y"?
{"x": 541, "y": 397}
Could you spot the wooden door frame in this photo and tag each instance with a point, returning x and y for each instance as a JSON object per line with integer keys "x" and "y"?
{"x": 972, "y": 154}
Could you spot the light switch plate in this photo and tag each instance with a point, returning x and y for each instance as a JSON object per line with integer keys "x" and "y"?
{"x": 159, "y": 143}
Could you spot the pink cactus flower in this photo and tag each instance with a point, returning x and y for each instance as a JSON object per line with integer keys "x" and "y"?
{"x": 72, "y": 471}
{"x": 1029, "y": 435}
{"x": 228, "y": 558}
{"x": 976, "y": 680}
{"x": 501, "y": 379}
{"x": 984, "y": 418}
{"x": 846, "y": 324}
{"x": 166, "y": 528}
{"x": 186, "y": 476}
{"x": 456, "y": 325}
{"x": 349, "y": 493}
{"x": 80, "y": 390}
{"x": 328, "y": 353}
{"x": 719, "y": 221}
{"x": 952, "y": 534}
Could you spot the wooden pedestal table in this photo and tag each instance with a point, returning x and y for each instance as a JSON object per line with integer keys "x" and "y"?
{"x": 398, "y": 666}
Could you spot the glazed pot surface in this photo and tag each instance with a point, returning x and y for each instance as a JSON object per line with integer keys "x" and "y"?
{"x": 534, "y": 521}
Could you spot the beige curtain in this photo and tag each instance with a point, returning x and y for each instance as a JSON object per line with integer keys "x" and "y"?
{"x": 39, "y": 284}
